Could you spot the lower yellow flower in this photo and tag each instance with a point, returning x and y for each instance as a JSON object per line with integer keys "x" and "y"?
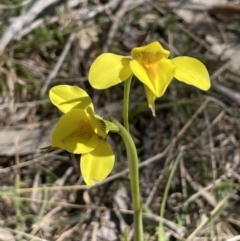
{"x": 81, "y": 131}
{"x": 150, "y": 64}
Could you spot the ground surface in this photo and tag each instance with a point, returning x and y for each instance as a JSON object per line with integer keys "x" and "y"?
{"x": 45, "y": 43}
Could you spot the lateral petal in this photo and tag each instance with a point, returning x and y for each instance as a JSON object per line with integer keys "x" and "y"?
{"x": 191, "y": 71}
{"x": 74, "y": 133}
{"x": 108, "y": 70}
{"x": 67, "y": 97}
{"x": 96, "y": 165}
{"x": 97, "y": 124}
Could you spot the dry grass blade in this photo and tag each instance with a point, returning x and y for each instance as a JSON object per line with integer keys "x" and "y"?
{"x": 16, "y": 27}
{"x": 213, "y": 215}
{"x": 53, "y": 74}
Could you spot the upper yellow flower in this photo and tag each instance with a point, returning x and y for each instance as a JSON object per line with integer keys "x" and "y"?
{"x": 81, "y": 131}
{"x": 150, "y": 64}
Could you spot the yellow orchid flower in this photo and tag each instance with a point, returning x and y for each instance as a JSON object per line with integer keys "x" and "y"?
{"x": 81, "y": 131}
{"x": 150, "y": 64}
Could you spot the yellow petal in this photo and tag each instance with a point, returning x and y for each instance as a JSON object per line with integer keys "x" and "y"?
{"x": 108, "y": 70}
{"x": 97, "y": 123}
{"x": 151, "y": 99}
{"x": 74, "y": 133}
{"x": 192, "y": 72}
{"x": 67, "y": 97}
{"x": 156, "y": 76}
{"x": 153, "y": 51}
{"x": 96, "y": 165}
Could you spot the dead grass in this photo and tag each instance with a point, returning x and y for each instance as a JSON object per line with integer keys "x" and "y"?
{"x": 43, "y": 197}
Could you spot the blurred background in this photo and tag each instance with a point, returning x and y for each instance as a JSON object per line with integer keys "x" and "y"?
{"x": 47, "y": 43}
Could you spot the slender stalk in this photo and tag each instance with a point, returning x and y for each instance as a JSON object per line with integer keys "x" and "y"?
{"x": 127, "y": 85}
{"x": 134, "y": 178}
{"x": 132, "y": 157}
{"x": 161, "y": 235}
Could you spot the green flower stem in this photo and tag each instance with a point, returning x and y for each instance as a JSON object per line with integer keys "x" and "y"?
{"x": 134, "y": 178}
{"x": 127, "y": 85}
